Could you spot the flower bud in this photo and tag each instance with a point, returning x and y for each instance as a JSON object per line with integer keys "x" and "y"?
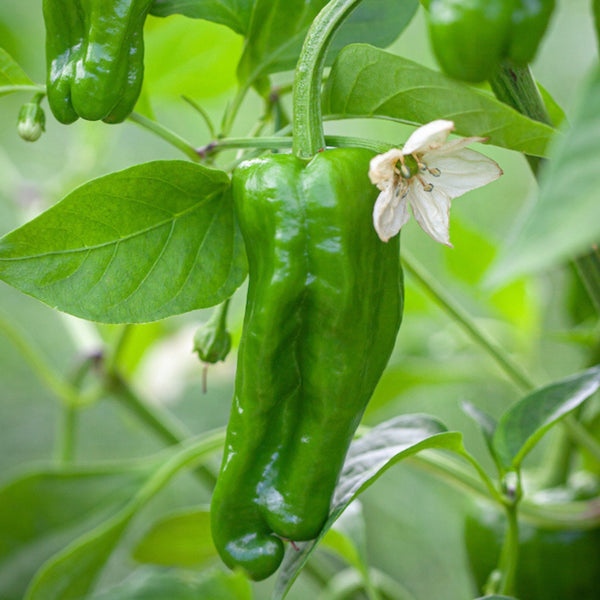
{"x": 31, "y": 122}
{"x": 212, "y": 341}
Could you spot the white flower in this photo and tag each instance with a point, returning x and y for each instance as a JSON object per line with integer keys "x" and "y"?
{"x": 427, "y": 174}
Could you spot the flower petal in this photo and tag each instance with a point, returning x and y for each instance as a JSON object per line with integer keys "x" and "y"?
{"x": 460, "y": 171}
{"x": 454, "y": 145}
{"x": 382, "y": 168}
{"x": 390, "y": 212}
{"x": 428, "y": 137}
{"x": 432, "y": 211}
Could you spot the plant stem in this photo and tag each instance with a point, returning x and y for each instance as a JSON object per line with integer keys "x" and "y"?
{"x": 166, "y": 134}
{"x": 62, "y": 389}
{"x": 67, "y": 434}
{"x": 232, "y": 110}
{"x": 205, "y": 116}
{"x": 7, "y": 89}
{"x": 307, "y": 119}
{"x": 168, "y": 429}
{"x": 439, "y": 294}
{"x": 115, "y": 357}
{"x": 281, "y": 142}
{"x": 509, "y": 555}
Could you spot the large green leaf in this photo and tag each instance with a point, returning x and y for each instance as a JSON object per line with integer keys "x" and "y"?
{"x": 369, "y": 82}
{"x": 155, "y": 584}
{"x": 526, "y": 421}
{"x": 182, "y": 539}
{"x": 278, "y": 27}
{"x": 71, "y": 573}
{"x": 138, "y": 245}
{"x": 235, "y": 14}
{"x": 368, "y": 458}
{"x": 11, "y": 74}
{"x": 44, "y": 510}
{"x": 564, "y": 221}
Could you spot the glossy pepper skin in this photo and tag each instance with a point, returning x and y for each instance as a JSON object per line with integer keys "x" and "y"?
{"x": 554, "y": 564}
{"x": 323, "y": 310}
{"x": 94, "y": 57}
{"x": 471, "y": 37}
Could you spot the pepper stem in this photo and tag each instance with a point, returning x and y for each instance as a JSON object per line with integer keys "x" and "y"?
{"x": 309, "y": 137}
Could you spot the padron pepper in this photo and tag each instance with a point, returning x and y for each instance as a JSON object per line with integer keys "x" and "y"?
{"x": 324, "y": 306}
{"x": 471, "y": 37}
{"x": 94, "y": 57}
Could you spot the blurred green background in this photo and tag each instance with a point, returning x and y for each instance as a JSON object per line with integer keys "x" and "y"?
{"x": 414, "y": 523}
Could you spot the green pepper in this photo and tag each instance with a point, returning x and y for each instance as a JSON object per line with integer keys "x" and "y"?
{"x": 471, "y": 37}
{"x": 323, "y": 310}
{"x": 556, "y": 563}
{"x": 94, "y": 57}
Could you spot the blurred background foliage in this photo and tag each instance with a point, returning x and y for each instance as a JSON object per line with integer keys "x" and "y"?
{"x": 414, "y": 522}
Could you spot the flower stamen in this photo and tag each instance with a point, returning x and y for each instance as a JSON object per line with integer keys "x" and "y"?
{"x": 434, "y": 171}
{"x": 420, "y": 164}
{"x": 428, "y": 187}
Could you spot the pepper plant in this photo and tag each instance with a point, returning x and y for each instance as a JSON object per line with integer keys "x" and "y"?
{"x": 328, "y": 140}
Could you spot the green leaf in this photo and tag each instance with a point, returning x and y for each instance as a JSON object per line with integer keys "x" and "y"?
{"x": 555, "y": 112}
{"x": 278, "y": 27}
{"x": 525, "y": 422}
{"x": 44, "y": 510}
{"x": 368, "y": 458}
{"x": 11, "y": 74}
{"x": 155, "y": 584}
{"x": 138, "y": 245}
{"x": 71, "y": 573}
{"x": 369, "y": 82}
{"x": 235, "y": 14}
{"x": 496, "y": 598}
{"x": 564, "y": 220}
{"x": 181, "y": 539}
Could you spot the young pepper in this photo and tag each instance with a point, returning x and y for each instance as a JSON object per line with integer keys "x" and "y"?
{"x": 94, "y": 57}
{"x": 471, "y": 37}
{"x": 323, "y": 310}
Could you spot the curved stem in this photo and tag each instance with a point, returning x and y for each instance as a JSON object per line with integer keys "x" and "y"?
{"x": 166, "y": 134}
{"x": 166, "y": 427}
{"x": 232, "y": 110}
{"x": 439, "y": 294}
{"x": 61, "y": 388}
{"x": 307, "y": 120}
{"x": 205, "y": 116}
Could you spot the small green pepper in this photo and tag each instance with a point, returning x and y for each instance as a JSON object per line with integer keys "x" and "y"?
{"x": 95, "y": 57}
{"x": 322, "y": 314}
{"x": 471, "y": 37}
